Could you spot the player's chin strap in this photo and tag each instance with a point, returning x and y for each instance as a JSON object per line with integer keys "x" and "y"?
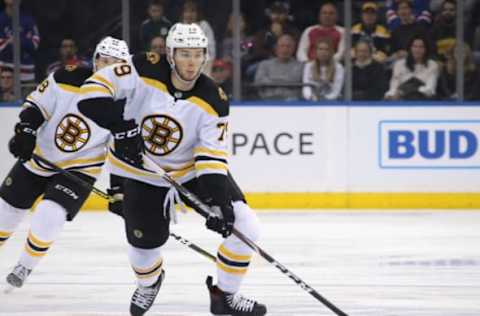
{"x": 171, "y": 199}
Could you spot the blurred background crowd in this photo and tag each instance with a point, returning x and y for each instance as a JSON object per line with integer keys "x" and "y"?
{"x": 289, "y": 50}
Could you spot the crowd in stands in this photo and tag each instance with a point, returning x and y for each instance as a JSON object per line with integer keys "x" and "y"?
{"x": 290, "y": 50}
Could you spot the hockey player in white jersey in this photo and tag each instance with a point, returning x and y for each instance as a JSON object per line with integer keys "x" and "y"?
{"x": 52, "y": 127}
{"x": 178, "y": 118}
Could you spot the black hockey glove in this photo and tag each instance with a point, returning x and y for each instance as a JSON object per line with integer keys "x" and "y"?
{"x": 222, "y": 221}
{"x": 22, "y": 143}
{"x": 115, "y": 205}
{"x": 128, "y": 142}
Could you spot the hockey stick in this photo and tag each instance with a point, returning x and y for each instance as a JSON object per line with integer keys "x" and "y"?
{"x": 205, "y": 211}
{"x": 109, "y": 198}
{"x": 191, "y": 245}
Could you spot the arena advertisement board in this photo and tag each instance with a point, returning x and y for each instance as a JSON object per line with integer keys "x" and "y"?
{"x": 429, "y": 144}
{"x": 344, "y": 156}
{"x": 288, "y": 149}
{"x": 414, "y": 149}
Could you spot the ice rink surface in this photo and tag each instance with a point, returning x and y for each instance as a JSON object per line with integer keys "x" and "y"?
{"x": 380, "y": 263}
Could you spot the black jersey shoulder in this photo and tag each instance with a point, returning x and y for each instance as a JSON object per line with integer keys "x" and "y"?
{"x": 207, "y": 90}
{"x": 151, "y": 65}
{"x": 74, "y": 76}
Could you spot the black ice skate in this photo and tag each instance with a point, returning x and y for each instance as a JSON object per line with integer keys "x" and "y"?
{"x": 17, "y": 277}
{"x": 234, "y": 304}
{"x": 143, "y": 297}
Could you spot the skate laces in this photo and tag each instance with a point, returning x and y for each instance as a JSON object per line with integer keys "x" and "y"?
{"x": 240, "y": 303}
{"x": 144, "y": 296}
{"x": 21, "y": 272}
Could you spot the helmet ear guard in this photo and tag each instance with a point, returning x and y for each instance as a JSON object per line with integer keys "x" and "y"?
{"x": 111, "y": 47}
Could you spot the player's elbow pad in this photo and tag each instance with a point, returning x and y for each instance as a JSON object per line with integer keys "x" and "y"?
{"x": 33, "y": 116}
{"x": 214, "y": 188}
{"x": 100, "y": 110}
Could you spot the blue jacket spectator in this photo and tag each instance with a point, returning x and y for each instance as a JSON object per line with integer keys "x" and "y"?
{"x": 420, "y": 10}
{"x": 29, "y": 40}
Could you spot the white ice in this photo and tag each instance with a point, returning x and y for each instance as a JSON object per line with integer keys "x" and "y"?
{"x": 366, "y": 263}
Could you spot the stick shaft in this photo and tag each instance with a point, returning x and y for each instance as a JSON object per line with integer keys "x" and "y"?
{"x": 205, "y": 211}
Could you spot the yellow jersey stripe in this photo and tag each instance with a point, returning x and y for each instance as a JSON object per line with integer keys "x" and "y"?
{"x": 68, "y": 87}
{"x": 93, "y": 171}
{"x": 32, "y": 163}
{"x": 155, "y": 83}
{"x": 86, "y": 161}
{"x": 126, "y": 167}
{"x": 181, "y": 173}
{"x": 88, "y": 89}
{"x": 183, "y": 167}
{"x": 231, "y": 270}
{"x": 98, "y": 77}
{"x": 233, "y": 256}
{"x": 210, "y": 165}
{"x": 203, "y": 105}
{"x": 5, "y": 234}
{"x": 210, "y": 152}
{"x": 37, "y": 242}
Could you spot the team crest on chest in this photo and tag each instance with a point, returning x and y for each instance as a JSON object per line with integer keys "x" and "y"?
{"x": 161, "y": 134}
{"x": 72, "y": 133}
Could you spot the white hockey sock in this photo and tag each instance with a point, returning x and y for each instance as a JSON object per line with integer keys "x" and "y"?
{"x": 146, "y": 263}
{"x": 10, "y": 218}
{"x": 233, "y": 257}
{"x": 47, "y": 223}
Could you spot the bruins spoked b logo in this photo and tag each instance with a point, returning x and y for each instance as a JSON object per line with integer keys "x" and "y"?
{"x": 72, "y": 133}
{"x": 161, "y": 134}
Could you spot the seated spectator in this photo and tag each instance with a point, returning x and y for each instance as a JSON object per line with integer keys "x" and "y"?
{"x": 68, "y": 56}
{"x": 370, "y": 30}
{"x": 443, "y": 31}
{"x": 281, "y": 70}
{"x": 369, "y": 77}
{"x": 246, "y": 42}
{"x": 6, "y": 85}
{"x": 156, "y": 24}
{"x": 415, "y": 77}
{"x": 420, "y": 13}
{"x": 265, "y": 39}
{"x": 191, "y": 14}
{"x": 326, "y": 28}
{"x": 158, "y": 45}
{"x": 29, "y": 40}
{"x": 447, "y": 83}
{"x": 278, "y": 23}
{"x": 323, "y": 76}
{"x": 408, "y": 27}
{"x": 437, "y": 6}
{"x": 222, "y": 75}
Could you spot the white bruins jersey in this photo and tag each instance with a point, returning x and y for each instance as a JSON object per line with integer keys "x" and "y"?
{"x": 66, "y": 138}
{"x": 185, "y": 133}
